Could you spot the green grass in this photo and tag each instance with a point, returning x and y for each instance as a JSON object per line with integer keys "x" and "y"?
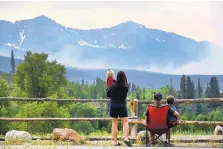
{"x": 42, "y": 135}
{"x": 180, "y": 132}
{"x": 97, "y": 133}
{"x": 102, "y": 134}
{"x": 93, "y": 134}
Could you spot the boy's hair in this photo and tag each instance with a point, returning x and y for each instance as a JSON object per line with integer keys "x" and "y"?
{"x": 170, "y": 99}
{"x": 109, "y": 73}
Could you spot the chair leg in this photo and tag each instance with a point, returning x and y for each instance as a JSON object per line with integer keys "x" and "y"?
{"x": 147, "y": 138}
{"x": 168, "y": 143}
{"x": 149, "y": 144}
{"x": 162, "y": 142}
{"x": 158, "y": 138}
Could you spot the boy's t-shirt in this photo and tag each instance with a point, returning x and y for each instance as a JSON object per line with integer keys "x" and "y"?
{"x": 173, "y": 107}
{"x": 171, "y": 117}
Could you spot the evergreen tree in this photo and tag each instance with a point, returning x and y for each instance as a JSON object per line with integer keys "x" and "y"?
{"x": 199, "y": 93}
{"x": 133, "y": 87}
{"x": 130, "y": 88}
{"x": 12, "y": 62}
{"x": 82, "y": 82}
{"x": 207, "y": 91}
{"x": 199, "y": 89}
{"x": 183, "y": 86}
{"x": 214, "y": 92}
{"x": 198, "y": 109}
{"x": 214, "y": 88}
{"x": 172, "y": 90}
{"x": 189, "y": 88}
{"x": 138, "y": 96}
{"x": 70, "y": 93}
{"x": 144, "y": 94}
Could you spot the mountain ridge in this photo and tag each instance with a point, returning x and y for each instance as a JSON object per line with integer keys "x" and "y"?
{"x": 130, "y": 44}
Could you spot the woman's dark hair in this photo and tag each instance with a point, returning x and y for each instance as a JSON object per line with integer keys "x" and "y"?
{"x": 121, "y": 79}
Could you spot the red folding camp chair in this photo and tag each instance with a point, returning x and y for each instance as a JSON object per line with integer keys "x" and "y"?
{"x": 157, "y": 124}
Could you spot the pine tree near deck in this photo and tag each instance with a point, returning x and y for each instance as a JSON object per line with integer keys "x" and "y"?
{"x": 12, "y": 62}
{"x": 183, "y": 86}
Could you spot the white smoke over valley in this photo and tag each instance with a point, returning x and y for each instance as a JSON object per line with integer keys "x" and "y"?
{"x": 211, "y": 64}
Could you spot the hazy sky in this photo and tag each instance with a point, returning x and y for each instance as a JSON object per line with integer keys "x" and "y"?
{"x": 197, "y": 20}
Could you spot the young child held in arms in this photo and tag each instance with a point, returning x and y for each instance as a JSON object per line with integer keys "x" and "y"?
{"x": 109, "y": 78}
{"x": 171, "y": 118}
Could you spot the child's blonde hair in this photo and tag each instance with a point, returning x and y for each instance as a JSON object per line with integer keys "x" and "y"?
{"x": 110, "y": 73}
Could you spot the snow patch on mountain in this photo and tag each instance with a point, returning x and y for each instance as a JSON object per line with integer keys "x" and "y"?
{"x": 84, "y": 43}
{"x": 158, "y": 40}
{"x": 121, "y": 46}
{"x": 73, "y": 31}
{"x": 15, "y": 46}
{"x": 22, "y": 37}
{"x": 112, "y": 45}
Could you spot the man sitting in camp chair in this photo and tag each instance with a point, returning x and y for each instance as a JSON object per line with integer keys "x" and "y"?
{"x": 157, "y": 121}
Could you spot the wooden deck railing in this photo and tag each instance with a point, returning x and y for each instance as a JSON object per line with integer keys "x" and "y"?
{"x": 133, "y": 119}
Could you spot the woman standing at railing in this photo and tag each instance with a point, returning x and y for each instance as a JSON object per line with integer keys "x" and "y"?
{"x": 117, "y": 92}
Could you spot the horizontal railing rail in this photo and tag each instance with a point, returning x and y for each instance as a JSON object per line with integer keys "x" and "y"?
{"x": 132, "y": 120}
{"x": 177, "y": 101}
{"x": 134, "y": 110}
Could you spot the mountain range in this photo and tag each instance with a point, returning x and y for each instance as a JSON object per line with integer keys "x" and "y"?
{"x": 88, "y": 53}
{"x": 126, "y": 45}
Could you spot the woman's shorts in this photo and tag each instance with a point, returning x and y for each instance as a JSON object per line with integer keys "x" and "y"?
{"x": 118, "y": 110}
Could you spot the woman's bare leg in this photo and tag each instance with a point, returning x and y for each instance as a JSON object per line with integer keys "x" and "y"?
{"x": 115, "y": 130}
{"x": 125, "y": 124}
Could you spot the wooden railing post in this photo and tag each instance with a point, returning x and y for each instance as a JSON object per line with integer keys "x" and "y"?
{"x": 134, "y": 113}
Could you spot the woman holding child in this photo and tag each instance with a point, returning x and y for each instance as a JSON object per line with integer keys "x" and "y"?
{"x": 117, "y": 92}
